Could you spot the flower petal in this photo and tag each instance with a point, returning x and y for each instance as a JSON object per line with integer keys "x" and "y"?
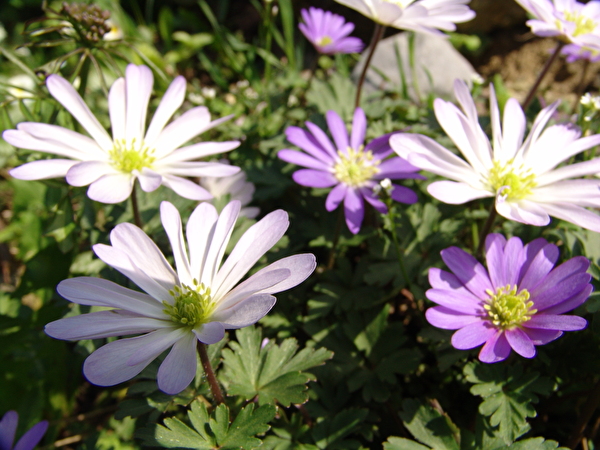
{"x": 354, "y": 210}
{"x": 32, "y": 437}
{"x": 455, "y": 193}
{"x": 359, "y": 128}
{"x": 337, "y": 128}
{"x": 186, "y": 188}
{"x": 199, "y": 231}
{"x": 210, "y": 333}
{"x": 461, "y": 302}
{"x": 42, "y": 170}
{"x": 178, "y": 369}
{"x": 302, "y": 159}
{"x": 169, "y": 104}
{"x": 571, "y": 303}
{"x": 117, "y": 109}
{"x": 495, "y": 349}
{"x": 171, "y": 220}
{"x": 449, "y": 319}
{"x": 336, "y": 196}
{"x": 473, "y": 335}
{"x": 138, "y": 88}
{"x": 468, "y": 270}
{"x": 538, "y": 264}
{"x": 247, "y": 312}
{"x": 8, "y": 428}
{"x": 314, "y": 178}
{"x": 111, "y": 188}
{"x": 86, "y": 172}
{"x": 541, "y": 337}
{"x": 520, "y": 342}
{"x": 556, "y": 322}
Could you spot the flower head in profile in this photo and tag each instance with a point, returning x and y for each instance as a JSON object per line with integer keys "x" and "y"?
{"x": 520, "y": 173}
{"x": 571, "y": 21}
{"x": 517, "y": 303}
{"x": 8, "y": 429}
{"x": 111, "y": 164}
{"x": 328, "y": 32}
{"x": 425, "y": 16}
{"x": 345, "y": 164}
{"x": 233, "y": 187}
{"x": 178, "y": 308}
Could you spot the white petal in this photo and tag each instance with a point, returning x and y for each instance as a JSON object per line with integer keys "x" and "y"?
{"x": 210, "y": 333}
{"x": 144, "y": 254}
{"x": 255, "y": 242}
{"x": 514, "y": 130}
{"x": 117, "y": 109}
{"x": 197, "y": 169}
{"x": 149, "y": 179}
{"x": 187, "y": 126}
{"x": 120, "y": 260}
{"x": 198, "y": 151}
{"x": 42, "y": 170}
{"x": 170, "y": 103}
{"x": 179, "y": 367}
{"x": 21, "y": 139}
{"x": 171, "y": 220}
{"x": 456, "y": 193}
{"x": 186, "y": 188}
{"x": 86, "y": 172}
{"x": 523, "y": 211}
{"x": 257, "y": 283}
{"x": 98, "y": 292}
{"x": 109, "y": 365}
{"x": 247, "y": 312}
{"x": 574, "y": 214}
{"x": 113, "y": 188}
{"x": 576, "y": 192}
{"x": 62, "y": 91}
{"x": 138, "y": 87}
{"x": 103, "y": 324}
{"x": 571, "y": 171}
{"x": 300, "y": 267}
{"x": 199, "y": 232}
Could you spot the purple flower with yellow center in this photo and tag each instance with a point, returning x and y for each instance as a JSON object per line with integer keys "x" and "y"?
{"x": 351, "y": 168}
{"x": 8, "y": 429}
{"x": 329, "y": 32}
{"x": 517, "y": 303}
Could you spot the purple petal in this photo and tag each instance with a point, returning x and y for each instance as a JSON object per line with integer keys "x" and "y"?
{"x": 179, "y": 367}
{"x": 468, "y": 270}
{"x": 473, "y": 335}
{"x": 556, "y": 322}
{"x": 307, "y": 142}
{"x": 495, "y": 349}
{"x": 322, "y": 139}
{"x": 541, "y": 258}
{"x": 504, "y": 259}
{"x": 32, "y": 437}
{"x": 520, "y": 342}
{"x": 354, "y": 210}
{"x": 553, "y": 294}
{"x": 8, "y": 428}
{"x": 247, "y": 312}
{"x": 403, "y": 194}
{"x": 541, "y": 337}
{"x": 337, "y": 127}
{"x": 579, "y": 264}
{"x": 571, "y": 303}
{"x": 210, "y": 333}
{"x": 461, "y": 302}
{"x": 336, "y": 196}
{"x": 314, "y": 178}
{"x": 448, "y": 319}
{"x": 359, "y": 128}
{"x": 302, "y": 159}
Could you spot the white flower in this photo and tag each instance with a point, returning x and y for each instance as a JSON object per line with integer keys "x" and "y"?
{"x": 110, "y": 165}
{"x": 234, "y": 187}
{"x": 519, "y": 173}
{"x": 196, "y": 303}
{"x": 426, "y": 16}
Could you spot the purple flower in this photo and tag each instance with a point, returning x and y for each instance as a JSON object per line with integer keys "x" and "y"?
{"x": 329, "y": 32}
{"x": 8, "y": 428}
{"x": 574, "y": 52}
{"x": 518, "y": 302}
{"x": 352, "y": 169}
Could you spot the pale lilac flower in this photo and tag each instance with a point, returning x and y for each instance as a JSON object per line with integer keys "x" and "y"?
{"x": 233, "y": 187}
{"x": 426, "y": 16}
{"x": 110, "y": 165}
{"x": 352, "y": 169}
{"x": 328, "y": 32}
{"x": 574, "y": 52}
{"x": 196, "y": 303}
{"x": 8, "y": 428}
{"x": 519, "y": 173}
{"x": 517, "y": 303}
{"x": 569, "y": 20}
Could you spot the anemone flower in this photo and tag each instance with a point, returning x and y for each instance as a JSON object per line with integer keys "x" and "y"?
{"x": 110, "y": 165}
{"x": 568, "y": 20}
{"x": 517, "y": 303}
{"x": 328, "y": 32}
{"x": 195, "y": 303}
{"x": 426, "y": 16}
{"x": 8, "y": 429}
{"x": 519, "y": 173}
{"x": 352, "y": 169}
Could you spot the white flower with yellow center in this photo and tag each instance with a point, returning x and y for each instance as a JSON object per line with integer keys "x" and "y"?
{"x": 111, "y": 164}
{"x": 520, "y": 173}
{"x": 428, "y": 16}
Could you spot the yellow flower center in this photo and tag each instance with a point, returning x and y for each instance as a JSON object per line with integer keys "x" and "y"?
{"x": 128, "y": 156}
{"x": 355, "y": 167}
{"x": 325, "y": 40}
{"x": 514, "y": 183}
{"x": 583, "y": 24}
{"x": 506, "y": 309}
{"x": 193, "y": 305}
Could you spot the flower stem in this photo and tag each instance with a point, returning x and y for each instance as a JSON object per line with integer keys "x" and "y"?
{"x": 336, "y": 239}
{"x": 137, "y": 218}
{"x": 377, "y": 35}
{"x": 541, "y": 76}
{"x": 210, "y": 375}
{"x": 486, "y": 229}
{"x": 400, "y": 254}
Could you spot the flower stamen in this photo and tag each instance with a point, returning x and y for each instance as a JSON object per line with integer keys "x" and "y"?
{"x": 506, "y": 309}
{"x": 192, "y": 305}
{"x": 128, "y": 156}
{"x": 510, "y": 182}
{"x": 355, "y": 167}
{"x": 583, "y": 24}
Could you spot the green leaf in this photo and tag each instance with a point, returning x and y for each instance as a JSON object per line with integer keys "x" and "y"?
{"x": 398, "y": 443}
{"x": 508, "y": 396}
{"x": 329, "y": 432}
{"x": 272, "y": 373}
{"x": 213, "y": 430}
{"x": 428, "y": 426}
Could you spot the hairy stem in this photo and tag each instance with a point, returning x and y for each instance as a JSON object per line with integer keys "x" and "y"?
{"x": 377, "y": 35}
{"x": 210, "y": 374}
